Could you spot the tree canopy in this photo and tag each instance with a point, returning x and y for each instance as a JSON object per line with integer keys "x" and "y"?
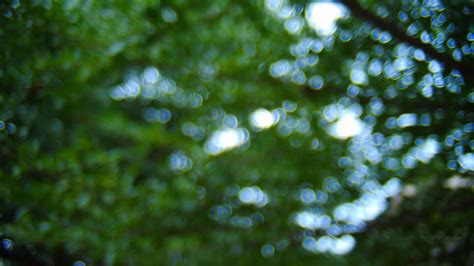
{"x": 266, "y": 132}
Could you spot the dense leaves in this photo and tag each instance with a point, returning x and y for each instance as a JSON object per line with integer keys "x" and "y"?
{"x": 236, "y": 132}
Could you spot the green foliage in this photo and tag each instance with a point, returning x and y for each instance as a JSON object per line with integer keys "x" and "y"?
{"x": 111, "y": 113}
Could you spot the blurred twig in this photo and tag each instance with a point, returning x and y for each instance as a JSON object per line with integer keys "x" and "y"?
{"x": 357, "y": 10}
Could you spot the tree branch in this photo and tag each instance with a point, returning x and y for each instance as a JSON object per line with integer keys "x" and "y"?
{"x": 357, "y": 10}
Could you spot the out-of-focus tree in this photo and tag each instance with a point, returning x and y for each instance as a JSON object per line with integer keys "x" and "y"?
{"x": 236, "y": 132}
